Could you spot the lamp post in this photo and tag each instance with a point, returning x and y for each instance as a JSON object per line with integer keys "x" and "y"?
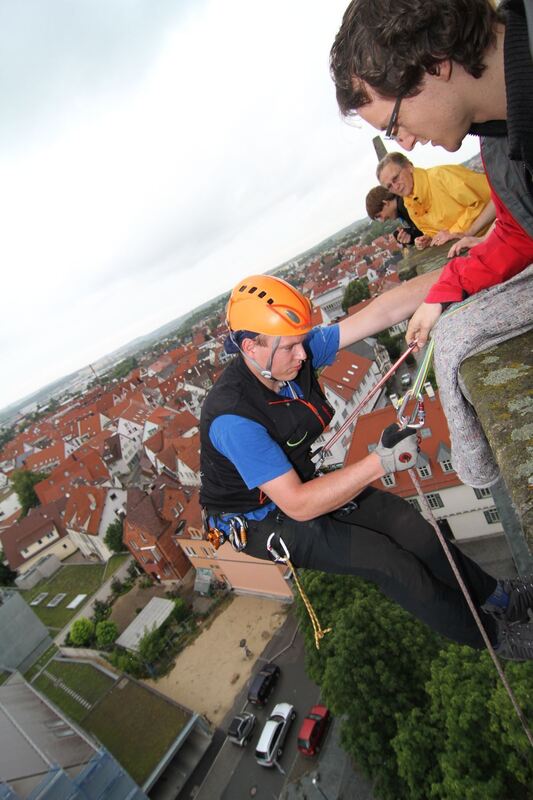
{"x": 316, "y": 784}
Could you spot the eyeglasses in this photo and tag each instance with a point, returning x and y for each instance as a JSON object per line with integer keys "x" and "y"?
{"x": 393, "y": 181}
{"x": 389, "y": 133}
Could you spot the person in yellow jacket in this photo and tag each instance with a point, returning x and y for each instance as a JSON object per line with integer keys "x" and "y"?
{"x": 446, "y": 202}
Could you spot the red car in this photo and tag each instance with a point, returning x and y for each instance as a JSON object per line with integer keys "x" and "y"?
{"x": 312, "y": 730}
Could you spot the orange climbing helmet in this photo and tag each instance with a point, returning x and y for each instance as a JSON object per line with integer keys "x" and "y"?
{"x": 268, "y": 305}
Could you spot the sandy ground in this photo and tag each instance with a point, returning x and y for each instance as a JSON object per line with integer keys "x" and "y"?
{"x": 209, "y": 673}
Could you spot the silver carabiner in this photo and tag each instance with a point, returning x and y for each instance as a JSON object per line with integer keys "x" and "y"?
{"x": 274, "y": 553}
{"x": 238, "y": 533}
{"x": 417, "y": 418}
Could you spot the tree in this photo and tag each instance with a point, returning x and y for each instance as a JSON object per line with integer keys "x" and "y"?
{"x": 106, "y": 633}
{"x": 82, "y": 632}
{"x": 469, "y": 740}
{"x": 101, "y": 611}
{"x": 424, "y": 718}
{"x": 116, "y": 586}
{"x": 368, "y": 674}
{"x": 124, "y": 367}
{"x": 180, "y": 611}
{"x": 23, "y": 483}
{"x": 355, "y": 292}
{"x": 6, "y": 434}
{"x": 7, "y": 576}
{"x": 113, "y": 536}
{"x": 151, "y": 646}
{"x": 392, "y": 344}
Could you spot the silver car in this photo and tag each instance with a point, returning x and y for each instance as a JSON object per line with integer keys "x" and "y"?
{"x": 270, "y": 745}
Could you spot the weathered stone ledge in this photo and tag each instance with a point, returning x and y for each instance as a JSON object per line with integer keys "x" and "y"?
{"x": 501, "y": 390}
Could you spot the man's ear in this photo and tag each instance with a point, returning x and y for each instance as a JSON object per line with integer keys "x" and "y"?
{"x": 442, "y": 70}
{"x": 248, "y": 346}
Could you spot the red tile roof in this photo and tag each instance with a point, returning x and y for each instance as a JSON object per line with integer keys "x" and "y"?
{"x": 345, "y": 375}
{"x": 368, "y": 431}
{"x": 30, "y": 529}
{"x": 84, "y": 509}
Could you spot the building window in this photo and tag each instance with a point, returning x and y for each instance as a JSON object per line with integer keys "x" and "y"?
{"x": 447, "y": 466}
{"x": 434, "y": 501}
{"x": 424, "y": 471}
{"x": 190, "y": 552}
{"x": 480, "y": 493}
{"x": 388, "y": 480}
{"x": 492, "y": 516}
{"x": 414, "y": 502}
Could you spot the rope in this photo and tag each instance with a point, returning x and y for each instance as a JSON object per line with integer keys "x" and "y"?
{"x": 471, "y": 606}
{"x": 355, "y": 413}
{"x": 318, "y": 631}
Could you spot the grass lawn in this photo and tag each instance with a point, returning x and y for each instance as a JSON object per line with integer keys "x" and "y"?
{"x": 84, "y": 679}
{"x": 114, "y": 563}
{"x": 71, "y": 579}
{"x": 136, "y": 725}
{"x": 41, "y": 661}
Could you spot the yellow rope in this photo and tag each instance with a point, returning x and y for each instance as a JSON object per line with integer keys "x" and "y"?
{"x": 318, "y": 631}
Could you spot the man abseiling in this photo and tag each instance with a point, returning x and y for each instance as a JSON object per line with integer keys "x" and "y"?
{"x": 257, "y": 427}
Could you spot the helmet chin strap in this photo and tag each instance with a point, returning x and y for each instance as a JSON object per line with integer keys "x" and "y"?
{"x": 265, "y": 372}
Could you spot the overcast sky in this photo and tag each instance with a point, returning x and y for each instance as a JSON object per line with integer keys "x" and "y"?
{"x": 152, "y": 152}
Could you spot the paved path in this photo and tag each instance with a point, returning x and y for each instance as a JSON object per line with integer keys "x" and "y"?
{"x": 101, "y": 594}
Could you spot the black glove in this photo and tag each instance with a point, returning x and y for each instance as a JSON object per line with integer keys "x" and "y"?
{"x": 398, "y": 448}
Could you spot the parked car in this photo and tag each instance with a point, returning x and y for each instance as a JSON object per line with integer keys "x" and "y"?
{"x": 241, "y": 727}
{"x": 313, "y": 730}
{"x": 270, "y": 745}
{"x": 405, "y": 379}
{"x": 263, "y": 683}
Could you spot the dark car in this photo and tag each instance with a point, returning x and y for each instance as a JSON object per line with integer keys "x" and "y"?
{"x": 241, "y": 727}
{"x": 263, "y": 683}
{"x": 313, "y": 730}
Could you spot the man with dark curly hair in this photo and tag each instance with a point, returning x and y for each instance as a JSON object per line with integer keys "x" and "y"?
{"x": 433, "y": 72}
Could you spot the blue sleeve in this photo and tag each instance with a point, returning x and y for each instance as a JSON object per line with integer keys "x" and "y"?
{"x": 324, "y": 344}
{"x": 241, "y": 440}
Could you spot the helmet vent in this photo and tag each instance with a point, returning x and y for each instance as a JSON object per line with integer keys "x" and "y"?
{"x": 261, "y": 295}
{"x": 252, "y": 289}
{"x": 292, "y": 316}
{"x": 270, "y": 301}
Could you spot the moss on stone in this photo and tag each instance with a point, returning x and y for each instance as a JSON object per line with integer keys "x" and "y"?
{"x": 500, "y": 387}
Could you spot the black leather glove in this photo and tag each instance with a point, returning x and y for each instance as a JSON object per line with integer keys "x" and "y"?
{"x": 397, "y": 448}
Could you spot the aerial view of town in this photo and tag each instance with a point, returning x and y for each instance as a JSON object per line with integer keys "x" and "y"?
{"x": 147, "y": 650}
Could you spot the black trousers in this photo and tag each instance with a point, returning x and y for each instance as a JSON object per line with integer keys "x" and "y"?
{"x": 387, "y": 541}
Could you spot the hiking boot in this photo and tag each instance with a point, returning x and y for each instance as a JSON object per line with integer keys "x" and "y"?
{"x": 515, "y": 642}
{"x": 520, "y": 605}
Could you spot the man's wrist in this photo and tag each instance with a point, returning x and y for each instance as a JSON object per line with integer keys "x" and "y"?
{"x": 376, "y": 467}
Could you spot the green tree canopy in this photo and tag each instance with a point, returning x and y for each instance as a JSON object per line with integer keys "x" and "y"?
{"x": 6, "y": 434}
{"x": 106, "y": 633}
{"x": 394, "y": 345}
{"x": 424, "y": 718}
{"x": 23, "y": 483}
{"x": 151, "y": 646}
{"x": 113, "y": 536}
{"x": 82, "y": 632}
{"x": 124, "y": 367}
{"x": 355, "y": 292}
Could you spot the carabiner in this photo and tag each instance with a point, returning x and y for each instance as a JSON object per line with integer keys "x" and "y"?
{"x": 238, "y": 532}
{"x": 274, "y": 553}
{"x": 418, "y": 415}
